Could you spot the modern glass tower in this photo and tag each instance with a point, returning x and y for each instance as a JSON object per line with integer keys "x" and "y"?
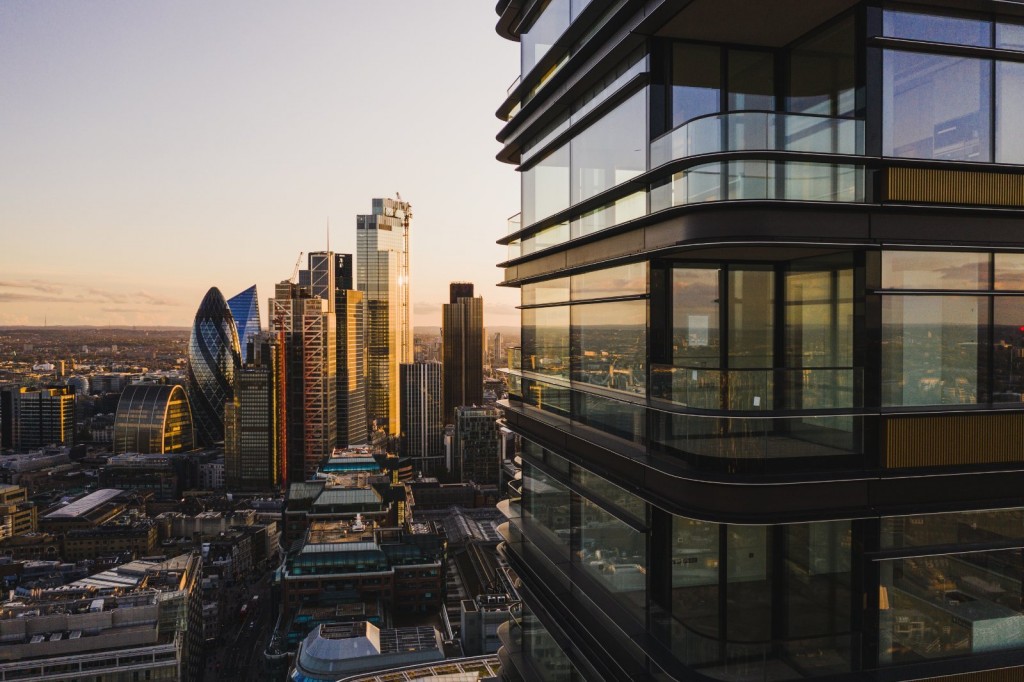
{"x": 422, "y": 426}
{"x": 769, "y": 396}
{"x": 382, "y": 274}
{"x": 213, "y": 357}
{"x": 245, "y": 308}
{"x": 153, "y": 418}
{"x": 462, "y": 349}
{"x": 253, "y": 440}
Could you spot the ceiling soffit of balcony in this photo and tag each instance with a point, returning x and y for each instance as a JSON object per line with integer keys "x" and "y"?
{"x": 767, "y": 23}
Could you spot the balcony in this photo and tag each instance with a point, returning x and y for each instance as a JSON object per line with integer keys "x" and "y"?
{"x": 759, "y": 131}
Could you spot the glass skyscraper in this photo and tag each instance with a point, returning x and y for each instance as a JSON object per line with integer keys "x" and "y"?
{"x": 382, "y": 274}
{"x": 422, "y": 426}
{"x": 245, "y": 308}
{"x": 769, "y": 394}
{"x": 462, "y": 349}
{"x": 213, "y": 357}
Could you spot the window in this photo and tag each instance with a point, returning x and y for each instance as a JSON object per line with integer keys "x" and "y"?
{"x": 937, "y": 29}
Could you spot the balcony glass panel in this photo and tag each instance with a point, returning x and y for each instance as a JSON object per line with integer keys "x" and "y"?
{"x": 958, "y": 528}
{"x": 950, "y": 605}
{"x": 936, "y": 29}
{"x": 612, "y": 344}
{"x": 546, "y": 340}
{"x": 624, "y": 280}
{"x": 932, "y": 350}
{"x": 821, "y": 182}
{"x": 621, "y": 419}
{"x": 758, "y": 390}
{"x": 547, "y": 291}
{"x": 627, "y": 208}
{"x": 936, "y": 107}
{"x": 759, "y": 131}
{"x": 958, "y": 270}
{"x": 546, "y": 238}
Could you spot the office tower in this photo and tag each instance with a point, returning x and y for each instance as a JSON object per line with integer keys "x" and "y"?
{"x": 35, "y": 418}
{"x": 382, "y": 274}
{"x": 462, "y": 337}
{"x": 153, "y": 418}
{"x": 213, "y": 357}
{"x": 770, "y": 396}
{"x": 245, "y": 309}
{"x": 477, "y": 450}
{"x": 497, "y": 351}
{"x": 252, "y": 439}
{"x": 422, "y": 416}
{"x": 307, "y": 326}
{"x": 330, "y": 275}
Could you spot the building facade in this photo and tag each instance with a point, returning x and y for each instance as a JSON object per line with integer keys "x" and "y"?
{"x": 769, "y": 391}
{"x": 462, "y": 342}
{"x": 35, "y": 418}
{"x": 307, "y": 325}
{"x": 153, "y": 418}
{"x": 477, "y": 444}
{"x": 213, "y": 356}
{"x": 252, "y": 456}
{"x": 245, "y": 309}
{"x": 382, "y": 274}
{"x": 422, "y": 419}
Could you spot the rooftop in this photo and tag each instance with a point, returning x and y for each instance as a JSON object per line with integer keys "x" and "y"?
{"x": 85, "y": 504}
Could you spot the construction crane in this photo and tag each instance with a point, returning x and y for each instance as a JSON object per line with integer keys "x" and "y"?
{"x": 295, "y": 270}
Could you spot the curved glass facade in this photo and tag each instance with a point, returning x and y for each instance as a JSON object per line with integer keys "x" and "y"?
{"x": 153, "y": 418}
{"x": 213, "y": 356}
{"x": 245, "y": 308}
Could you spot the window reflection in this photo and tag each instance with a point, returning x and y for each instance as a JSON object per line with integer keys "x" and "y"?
{"x": 546, "y": 187}
{"x": 936, "y": 107}
{"x": 546, "y": 340}
{"x": 1009, "y": 271}
{"x": 957, "y": 528}
{"x": 935, "y": 270}
{"x": 612, "y": 343}
{"x": 548, "y": 291}
{"x": 625, "y": 280}
{"x": 695, "y": 312}
{"x": 1009, "y": 105}
{"x": 936, "y": 29}
{"x": 545, "y": 507}
{"x": 1008, "y": 349}
{"x": 822, "y": 73}
{"x": 614, "y": 553}
{"x": 931, "y": 349}
{"x": 611, "y": 151}
{"x": 696, "y": 82}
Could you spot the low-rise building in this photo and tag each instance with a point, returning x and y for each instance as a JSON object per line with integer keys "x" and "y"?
{"x": 339, "y": 650}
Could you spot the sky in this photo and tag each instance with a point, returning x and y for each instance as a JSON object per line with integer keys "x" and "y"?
{"x": 151, "y": 150}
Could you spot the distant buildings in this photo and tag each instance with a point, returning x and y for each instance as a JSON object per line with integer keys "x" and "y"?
{"x": 153, "y": 418}
{"x": 252, "y": 443}
{"x": 245, "y": 308}
{"x": 213, "y": 357}
{"x": 309, "y": 331}
{"x": 36, "y": 418}
{"x": 462, "y": 334}
{"x": 477, "y": 444}
{"x": 422, "y": 425}
{"x": 382, "y": 262}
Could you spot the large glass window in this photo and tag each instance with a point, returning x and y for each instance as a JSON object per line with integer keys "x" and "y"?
{"x": 545, "y": 505}
{"x": 933, "y": 350}
{"x": 822, "y": 72}
{"x": 546, "y": 340}
{"x": 614, "y": 553}
{"x": 696, "y": 82}
{"x": 751, "y": 318}
{"x": 611, "y": 151}
{"x": 546, "y": 187}
{"x": 612, "y": 348}
{"x": 625, "y": 280}
{"x": 952, "y": 270}
{"x": 937, "y": 29}
{"x": 695, "y": 313}
{"x": 937, "y": 107}
{"x": 1008, "y": 349}
{"x": 546, "y": 29}
{"x": 751, "y": 80}
{"x": 957, "y": 528}
{"x": 1009, "y": 108}
{"x": 548, "y": 291}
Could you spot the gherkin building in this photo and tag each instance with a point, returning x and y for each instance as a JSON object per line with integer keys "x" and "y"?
{"x": 213, "y": 357}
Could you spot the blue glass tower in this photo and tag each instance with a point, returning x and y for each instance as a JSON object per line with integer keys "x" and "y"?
{"x": 213, "y": 357}
{"x": 245, "y": 308}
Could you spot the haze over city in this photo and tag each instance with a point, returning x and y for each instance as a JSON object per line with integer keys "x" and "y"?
{"x": 152, "y": 150}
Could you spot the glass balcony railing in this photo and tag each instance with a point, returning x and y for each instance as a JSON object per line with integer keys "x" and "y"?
{"x": 759, "y": 131}
{"x": 515, "y": 223}
{"x": 759, "y": 390}
{"x": 744, "y": 439}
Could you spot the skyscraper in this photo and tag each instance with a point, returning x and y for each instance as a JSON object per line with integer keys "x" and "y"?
{"x": 213, "y": 357}
{"x": 245, "y": 309}
{"x": 252, "y": 440}
{"x": 331, "y": 275}
{"x": 382, "y": 267}
{"x": 462, "y": 343}
{"x": 770, "y": 261}
{"x": 307, "y": 325}
{"x": 422, "y": 420}
{"x": 477, "y": 450}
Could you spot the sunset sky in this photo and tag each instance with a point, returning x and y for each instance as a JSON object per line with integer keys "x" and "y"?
{"x": 150, "y": 150}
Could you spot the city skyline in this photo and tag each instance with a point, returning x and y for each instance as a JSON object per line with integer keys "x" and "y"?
{"x": 168, "y": 137}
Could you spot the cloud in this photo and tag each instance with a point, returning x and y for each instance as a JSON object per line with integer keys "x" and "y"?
{"x": 425, "y": 308}
{"x": 105, "y": 296}
{"x": 14, "y": 297}
{"x": 35, "y": 284}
